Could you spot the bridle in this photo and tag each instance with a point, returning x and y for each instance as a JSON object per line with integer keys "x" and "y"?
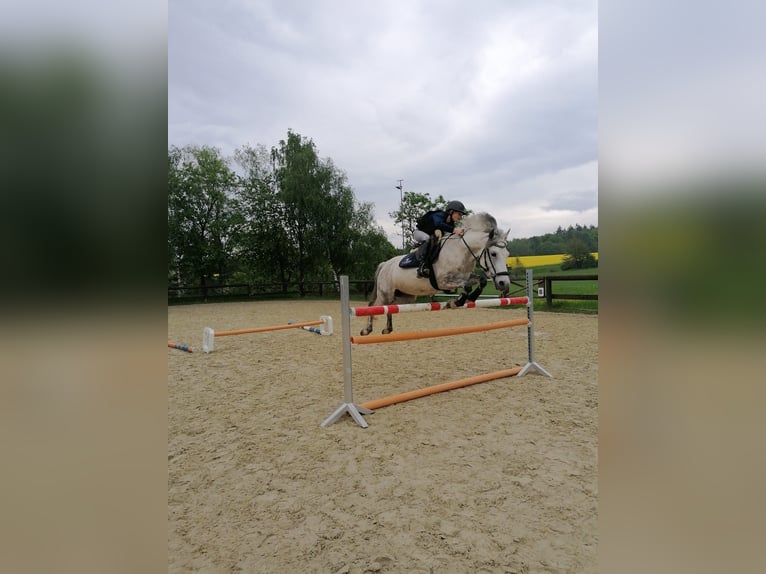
{"x": 490, "y": 264}
{"x": 484, "y": 260}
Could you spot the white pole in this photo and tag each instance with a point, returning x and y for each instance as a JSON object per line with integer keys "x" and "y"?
{"x": 348, "y": 405}
{"x": 345, "y": 318}
{"x": 531, "y": 363}
{"x": 435, "y": 306}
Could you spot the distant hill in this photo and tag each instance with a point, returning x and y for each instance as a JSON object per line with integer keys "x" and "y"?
{"x": 555, "y": 243}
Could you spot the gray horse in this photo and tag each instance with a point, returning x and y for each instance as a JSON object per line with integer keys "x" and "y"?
{"x": 482, "y": 244}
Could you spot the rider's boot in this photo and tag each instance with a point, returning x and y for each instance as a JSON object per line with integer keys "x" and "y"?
{"x": 424, "y": 271}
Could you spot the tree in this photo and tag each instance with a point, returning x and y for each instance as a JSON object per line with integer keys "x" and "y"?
{"x": 175, "y": 244}
{"x": 554, "y": 243}
{"x": 412, "y": 207}
{"x": 578, "y": 256}
{"x": 266, "y": 253}
{"x": 201, "y": 215}
{"x": 321, "y": 215}
{"x": 519, "y": 247}
{"x": 369, "y": 245}
{"x": 336, "y": 227}
{"x": 299, "y": 183}
{"x": 285, "y": 215}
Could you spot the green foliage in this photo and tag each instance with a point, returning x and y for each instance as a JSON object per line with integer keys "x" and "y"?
{"x": 303, "y": 191}
{"x": 283, "y": 215}
{"x": 202, "y": 216}
{"x": 577, "y": 256}
{"x": 414, "y": 205}
{"x": 554, "y": 243}
{"x": 265, "y": 251}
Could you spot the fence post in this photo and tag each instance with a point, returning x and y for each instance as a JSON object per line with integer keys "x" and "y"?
{"x": 549, "y": 292}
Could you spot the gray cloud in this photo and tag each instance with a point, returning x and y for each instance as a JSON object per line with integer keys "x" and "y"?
{"x": 579, "y": 201}
{"x": 477, "y": 101}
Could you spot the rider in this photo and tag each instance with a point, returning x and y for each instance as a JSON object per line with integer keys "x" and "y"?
{"x": 438, "y": 222}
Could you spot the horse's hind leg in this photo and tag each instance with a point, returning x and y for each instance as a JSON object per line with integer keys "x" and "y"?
{"x": 379, "y": 299}
{"x": 389, "y": 325}
{"x": 368, "y": 329}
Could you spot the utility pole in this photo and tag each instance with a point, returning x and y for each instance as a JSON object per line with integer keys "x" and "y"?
{"x": 400, "y": 187}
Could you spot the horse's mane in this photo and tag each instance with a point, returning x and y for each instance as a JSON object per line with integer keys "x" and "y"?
{"x": 479, "y": 222}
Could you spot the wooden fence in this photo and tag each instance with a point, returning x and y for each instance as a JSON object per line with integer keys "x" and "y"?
{"x": 546, "y": 283}
{"x": 262, "y": 291}
{"x": 290, "y": 290}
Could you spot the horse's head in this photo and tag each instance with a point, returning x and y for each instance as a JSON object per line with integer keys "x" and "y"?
{"x": 494, "y": 260}
{"x": 494, "y": 254}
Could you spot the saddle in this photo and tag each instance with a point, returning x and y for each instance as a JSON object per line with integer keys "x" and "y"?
{"x": 414, "y": 257}
{"x": 409, "y": 261}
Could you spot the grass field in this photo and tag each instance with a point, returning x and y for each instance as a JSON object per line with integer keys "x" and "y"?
{"x": 568, "y": 287}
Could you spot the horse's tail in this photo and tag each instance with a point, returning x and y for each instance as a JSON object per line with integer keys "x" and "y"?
{"x": 375, "y": 283}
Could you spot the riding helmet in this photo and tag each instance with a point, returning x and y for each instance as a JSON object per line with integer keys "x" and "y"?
{"x": 456, "y": 206}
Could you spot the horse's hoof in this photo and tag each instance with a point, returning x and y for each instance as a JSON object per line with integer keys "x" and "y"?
{"x": 364, "y": 332}
{"x": 386, "y": 331}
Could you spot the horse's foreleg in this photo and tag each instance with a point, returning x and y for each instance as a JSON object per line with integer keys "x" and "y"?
{"x": 459, "y": 302}
{"x": 461, "y": 299}
{"x": 476, "y": 292}
{"x": 467, "y": 294}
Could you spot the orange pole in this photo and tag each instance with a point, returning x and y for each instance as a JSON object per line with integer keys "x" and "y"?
{"x": 365, "y": 339}
{"x": 416, "y": 394}
{"x": 262, "y": 329}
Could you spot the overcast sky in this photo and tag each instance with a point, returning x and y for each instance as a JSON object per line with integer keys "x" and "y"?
{"x": 492, "y": 102}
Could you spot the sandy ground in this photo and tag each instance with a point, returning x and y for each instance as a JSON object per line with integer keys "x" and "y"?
{"x": 496, "y": 477}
